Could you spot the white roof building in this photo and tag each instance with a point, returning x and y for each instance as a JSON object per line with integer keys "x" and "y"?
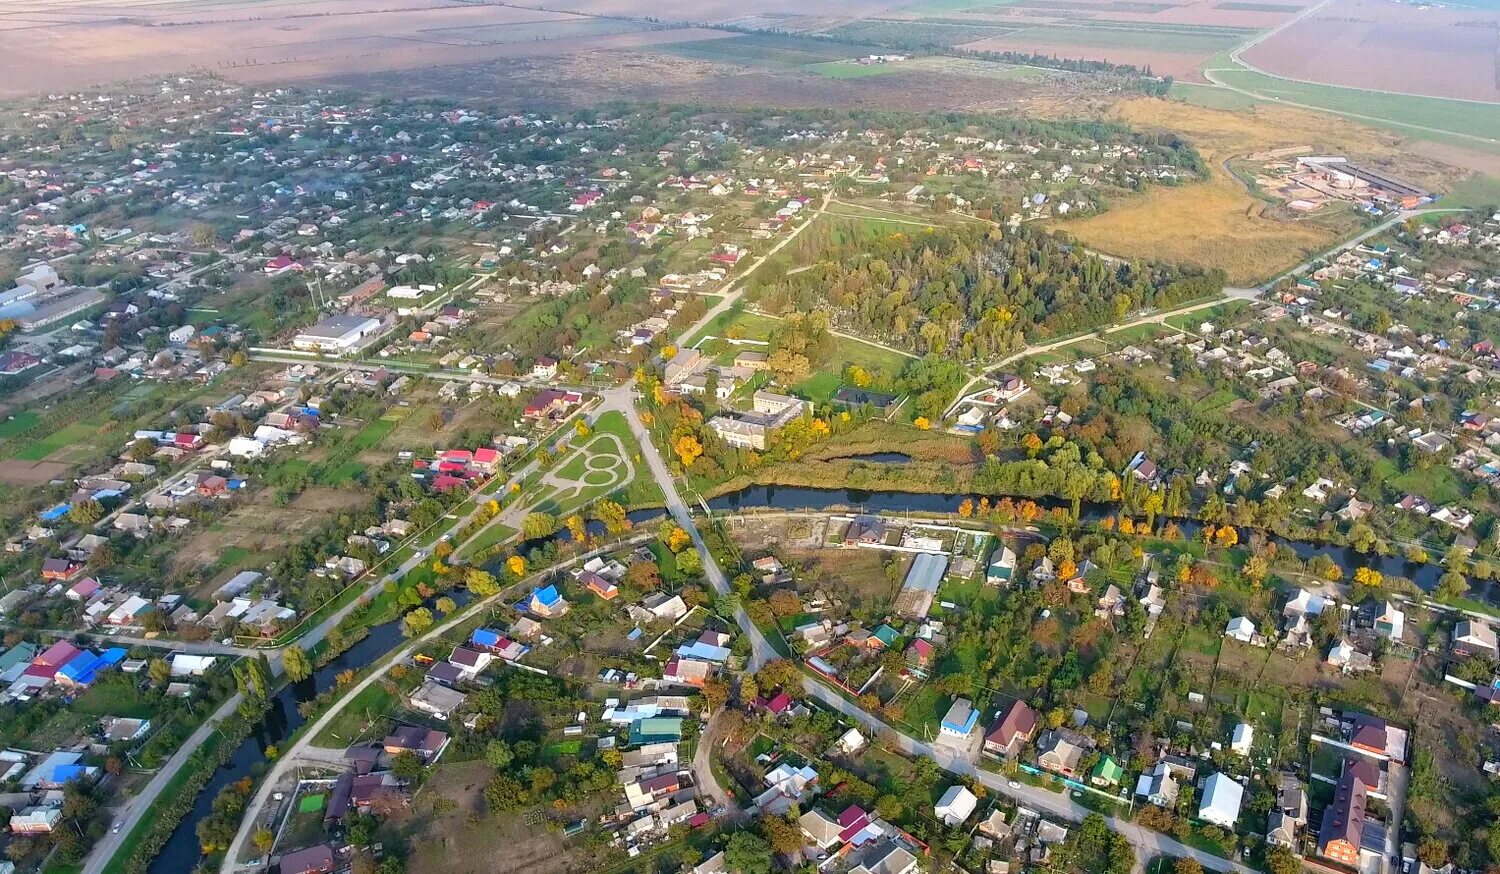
{"x": 1244, "y": 736}
{"x": 1221, "y": 801}
{"x": 956, "y": 805}
{"x": 1240, "y": 629}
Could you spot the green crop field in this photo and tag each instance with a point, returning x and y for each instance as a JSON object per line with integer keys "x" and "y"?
{"x": 370, "y": 436}
{"x": 1158, "y": 39}
{"x": 18, "y": 424}
{"x": 77, "y": 432}
{"x": 1211, "y": 96}
{"x": 911, "y": 34}
{"x": 768, "y": 50}
{"x": 1477, "y": 124}
{"x": 850, "y": 70}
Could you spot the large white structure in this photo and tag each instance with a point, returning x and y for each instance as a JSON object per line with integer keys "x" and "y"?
{"x": 1221, "y": 801}
{"x": 337, "y": 334}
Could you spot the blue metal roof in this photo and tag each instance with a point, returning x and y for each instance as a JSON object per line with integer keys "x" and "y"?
{"x": 485, "y": 637}
{"x": 547, "y": 596}
{"x": 926, "y": 572}
{"x": 703, "y": 651}
{"x": 55, "y": 513}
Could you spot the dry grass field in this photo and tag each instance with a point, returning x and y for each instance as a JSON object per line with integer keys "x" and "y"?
{"x": 1217, "y": 223}
{"x": 258, "y": 526}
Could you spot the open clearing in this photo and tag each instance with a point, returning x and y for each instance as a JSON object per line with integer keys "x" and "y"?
{"x": 1217, "y": 223}
{"x": 31, "y": 473}
{"x": 257, "y": 526}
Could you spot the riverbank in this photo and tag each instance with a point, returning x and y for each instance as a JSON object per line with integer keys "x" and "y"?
{"x": 1483, "y": 597}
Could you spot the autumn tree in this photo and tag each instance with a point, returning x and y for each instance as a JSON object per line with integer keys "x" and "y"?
{"x": 687, "y": 449}
{"x": 416, "y": 622}
{"x": 298, "y": 666}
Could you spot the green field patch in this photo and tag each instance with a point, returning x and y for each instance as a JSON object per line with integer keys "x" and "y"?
{"x": 370, "y": 435}
{"x": 341, "y": 475}
{"x": 369, "y": 707}
{"x": 76, "y": 433}
{"x": 1217, "y": 400}
{"x": 1146, "y": 38}
{"x": 1477, "y": 124}
{"x": 20, "y": 423}
{"x": 1211, "y": 96}
{"x": 1438, "y": 483}
{"x": 850, "y": 69}
{"x": 494, "y": 534}
{"x": 565, "y": 748}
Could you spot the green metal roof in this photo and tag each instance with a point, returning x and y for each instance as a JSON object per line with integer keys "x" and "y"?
{"x": 1107, "y": 769}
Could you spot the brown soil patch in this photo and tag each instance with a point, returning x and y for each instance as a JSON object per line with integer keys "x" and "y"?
{"x": 32, "y": 473}
{"x": 257, "y": 42}
{"x": 1441, "y": 52}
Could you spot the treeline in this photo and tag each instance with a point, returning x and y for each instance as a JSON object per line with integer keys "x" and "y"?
{"x": 918, "y": 40}
{"x": 972, "y": 291}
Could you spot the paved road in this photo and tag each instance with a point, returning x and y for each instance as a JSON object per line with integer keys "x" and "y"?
{"x": 622, "y": 399}
{"x": 106, "y": 847}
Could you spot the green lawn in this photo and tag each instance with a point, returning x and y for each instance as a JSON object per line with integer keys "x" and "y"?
{"x": 746, "y": 326}
{"x": 850, "y": 69}
{"x": 1438, "y": 484}
{"x": 370, "y": 435}
{"x": 1211, "y": 96}
{"x": 113, "y": 699}
{"x": 77, "y": 432}
{"x": 372, "y": 704}
{"x": 18, "y": 424}
{"x": 490, "y": 536}
{"x": 344, "y": 474}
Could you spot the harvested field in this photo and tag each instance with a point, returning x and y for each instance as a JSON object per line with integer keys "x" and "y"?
{"x": 31, "y": 473}
{"x": 65, "y": 45}
{"x": 1204, "y": 13}
{"x": 1443, "y": 52}
{"x": 591, "y": 78}
{"x": 1174, "y": 51}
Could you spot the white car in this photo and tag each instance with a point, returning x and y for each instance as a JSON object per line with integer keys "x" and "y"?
{"x": 1013, "y": 784}
{"x": 115, "y": 829}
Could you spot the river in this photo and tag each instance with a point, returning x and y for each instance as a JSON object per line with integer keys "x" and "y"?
{"x": 1425, "y": 576}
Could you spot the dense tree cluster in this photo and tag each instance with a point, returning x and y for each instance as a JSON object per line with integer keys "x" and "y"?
{"x": 971, "y": 291}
